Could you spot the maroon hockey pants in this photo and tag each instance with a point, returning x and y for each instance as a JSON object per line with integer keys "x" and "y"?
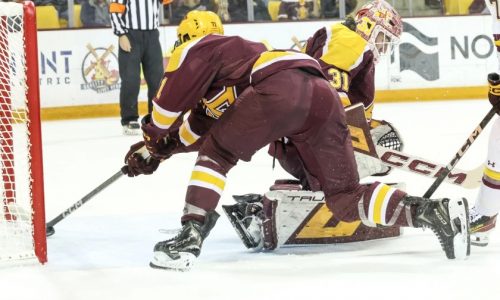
{"x": 293, "y": 104}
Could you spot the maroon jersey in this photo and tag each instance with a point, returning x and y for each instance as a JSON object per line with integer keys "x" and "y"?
{"x": 347, "y": 61}
{"x": 206, "y": 75}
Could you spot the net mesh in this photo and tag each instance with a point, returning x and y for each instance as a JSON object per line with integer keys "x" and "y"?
{"x": 16, "y": 230}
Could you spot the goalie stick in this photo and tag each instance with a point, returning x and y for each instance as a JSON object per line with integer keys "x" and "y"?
{"x": 298, "y": 44}
{"x": 367, "y": 151}
{"x": 470, "y": 179}
{"x": 50, "y": 225}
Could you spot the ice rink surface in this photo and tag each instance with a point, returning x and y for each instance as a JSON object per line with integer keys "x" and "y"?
{"x": 102, "y": 251}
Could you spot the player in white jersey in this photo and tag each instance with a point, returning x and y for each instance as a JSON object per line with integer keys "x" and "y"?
{"x": 483, "y": 215}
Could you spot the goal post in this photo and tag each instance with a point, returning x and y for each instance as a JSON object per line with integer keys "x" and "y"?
{"x": 22, "y": 219}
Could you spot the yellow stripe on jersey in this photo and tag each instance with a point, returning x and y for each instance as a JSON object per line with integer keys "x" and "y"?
{"x": 162, "y": 85}
{"x": 491, "y": 174}
{"x": 344, "y": 99}
{"x": 163, "y": 118}
{"x": 187, "y": 136}
{"x": 344, "y": 48}
{"x": 369, "y": 112}
{"x": 267, "y": 45}
{"x": 377, "y": 206}
{"x": 497, "y": 43}
{"x": 270, "y": 57}
{"x": 179, "y": 54}
{"x": 208, "y": 178}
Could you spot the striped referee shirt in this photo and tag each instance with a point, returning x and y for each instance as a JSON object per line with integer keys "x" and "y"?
{"x": 134, "y": 14}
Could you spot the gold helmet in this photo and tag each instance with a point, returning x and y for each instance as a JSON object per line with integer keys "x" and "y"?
{"x": 197, "y": 24}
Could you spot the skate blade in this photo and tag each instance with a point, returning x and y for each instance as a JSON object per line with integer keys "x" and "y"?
{"x": 162, "y": 261}
{"x": 459, "y": 214}
{"x": 480, "y": 239}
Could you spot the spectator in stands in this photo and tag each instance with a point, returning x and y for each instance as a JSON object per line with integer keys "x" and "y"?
{"x": 221, "y": 8}
{"x": 312, "y": 9}
{"x": 60, "y": 5}
{"x": 478, "y": 7}
{"x": 238, "y": 11}
{"x": 179, "y": 8}
{"x": 434, "y": 4}
{"x": 95, "y": 13}
{"x": 330, "y": 8}
{"x": 296, "y": 10}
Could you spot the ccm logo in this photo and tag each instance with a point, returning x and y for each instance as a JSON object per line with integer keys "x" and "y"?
{"x": 419, "y": 166}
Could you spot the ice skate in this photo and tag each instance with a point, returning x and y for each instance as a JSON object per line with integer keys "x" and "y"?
{"x": 480, "y": 227}
{"x": 132, "y": 128}
{"x": 448, "y": 219}
{"x": 180, "y": 252}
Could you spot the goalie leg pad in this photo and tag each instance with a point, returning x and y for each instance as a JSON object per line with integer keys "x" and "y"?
{"x": 302, "y": 217}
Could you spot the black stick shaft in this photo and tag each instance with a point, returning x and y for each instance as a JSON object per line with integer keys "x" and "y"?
{"x": 86, "y": 198}
{"x": 460, "y": 153}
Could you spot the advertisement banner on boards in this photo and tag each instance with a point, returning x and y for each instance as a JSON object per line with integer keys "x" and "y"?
{"x": 80, "y": 67}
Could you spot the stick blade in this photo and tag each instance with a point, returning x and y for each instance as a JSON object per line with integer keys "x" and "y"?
{"x": 50, "y": 230}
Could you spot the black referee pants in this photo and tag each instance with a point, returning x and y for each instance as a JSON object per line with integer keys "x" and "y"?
{"x": 146, "y": 50}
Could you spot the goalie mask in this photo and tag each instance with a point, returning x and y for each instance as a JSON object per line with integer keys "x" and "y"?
{"x": 380, "y": 25}
{"x": 197, "y": 24}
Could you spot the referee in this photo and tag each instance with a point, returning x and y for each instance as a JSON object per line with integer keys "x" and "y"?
{"x": 136, "y": 24}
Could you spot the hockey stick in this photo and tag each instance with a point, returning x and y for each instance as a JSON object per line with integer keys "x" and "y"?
{"x": 363, "y": 146}
{"x": 50, "y": 225}
{"x": 472, "y": 137}
{"x": 297, "y": 43}
{"x": 469, "y": 179}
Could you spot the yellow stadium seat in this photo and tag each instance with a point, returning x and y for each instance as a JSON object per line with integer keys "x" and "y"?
{"x": 457, "y": 7}
{"x": 77, "y": 8}
{"x": 47, "y": 17}
{"x": 273, "y": 8}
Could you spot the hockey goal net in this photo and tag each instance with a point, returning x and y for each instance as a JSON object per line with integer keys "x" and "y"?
{"x": 22, "y": 219}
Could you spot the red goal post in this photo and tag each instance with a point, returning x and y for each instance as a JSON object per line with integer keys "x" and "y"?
{"x": 22, "y": 220}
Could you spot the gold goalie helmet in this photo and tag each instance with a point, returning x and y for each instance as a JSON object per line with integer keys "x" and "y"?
{"x": 380, "y": 25}
{"x": 197, "y": 24}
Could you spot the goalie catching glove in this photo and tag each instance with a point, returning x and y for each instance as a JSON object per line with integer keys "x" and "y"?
{"x": 494, "y": 92}
{"x": 384, "y": 134}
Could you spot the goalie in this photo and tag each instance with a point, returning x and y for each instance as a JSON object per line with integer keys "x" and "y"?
{"x": 347, "y": 53}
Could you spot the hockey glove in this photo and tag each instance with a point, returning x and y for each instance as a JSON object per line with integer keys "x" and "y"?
{"x": 386, "y": 135}
{"x": 138, "y": 161}
{"x": 159, "y": 146}
{"x": 494, "y": 92}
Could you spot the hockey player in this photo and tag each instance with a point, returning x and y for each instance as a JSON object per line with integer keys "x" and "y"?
{"x": 286, "y": 96}
{"x": 347, "y": 53}
{"x": 484, "y": 213}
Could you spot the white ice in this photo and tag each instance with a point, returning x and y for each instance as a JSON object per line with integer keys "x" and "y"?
{"x": 102, "y": 251}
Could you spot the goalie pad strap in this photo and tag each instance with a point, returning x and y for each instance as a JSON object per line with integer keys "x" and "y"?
{"x": 269, "y": 224}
